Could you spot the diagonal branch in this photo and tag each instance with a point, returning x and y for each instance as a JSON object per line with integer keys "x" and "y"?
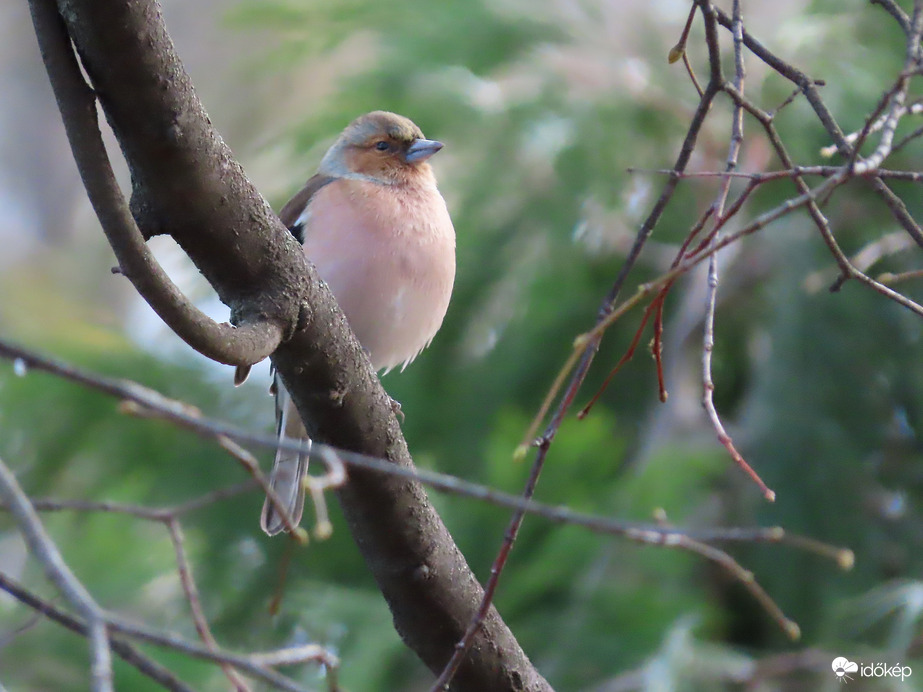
{"x": 254, "y": 664}
{"x": 895, "y": 11}
{"x": 645, "y": 533}
{"x": 804, "y": 83}
{"x": 46, "y": 552}
{"x": 128, "y": 653}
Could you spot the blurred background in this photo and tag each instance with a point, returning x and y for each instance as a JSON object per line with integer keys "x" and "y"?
{"x": 542, "y": 106}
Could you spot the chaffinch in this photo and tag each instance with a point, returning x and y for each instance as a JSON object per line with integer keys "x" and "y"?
{"x": 375, "y": 226}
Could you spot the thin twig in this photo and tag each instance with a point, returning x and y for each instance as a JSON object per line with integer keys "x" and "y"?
{"x": 680, "y": 48}
{"x": 788, "y": 101}
{"x": 708, "y": 331}
{"x": 582, "y": 357}
{"x": 766, "y": 176}
{"x": 252, "y": 664}
{"x": 169, "y": 517}
{"x": 809, "y": 198}
{"x": 195, "y": 603}
{"x": 210, "y": 428}
{"x": 745, "y": 577}
{"x": 636, "y": 531}
{"x": 587, "y": 345}
{"x": 875, "y": 124}
{"x": 43, "y": 548}
{"x": 633, "y": 531}
{"x": 128, "y": 653}
{"x": 805, "y": 84}
{"x": 888, "y": 279}
{"x": 885, "y": 246}
{"x": 250, "y": 463}
{"x": 141, "y": 402}
{"x": 895, "y": 11}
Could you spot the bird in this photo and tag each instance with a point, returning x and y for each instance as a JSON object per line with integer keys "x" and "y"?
{"x": 378, "y": 231}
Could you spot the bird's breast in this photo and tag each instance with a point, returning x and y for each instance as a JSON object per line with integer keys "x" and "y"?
{"x": 388, "y": 254}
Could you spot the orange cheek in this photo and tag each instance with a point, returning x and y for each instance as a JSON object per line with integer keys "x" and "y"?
{"x": 355, "y": 160}
{"x": 366, "y": 162}
{"x": 372, "y": 163}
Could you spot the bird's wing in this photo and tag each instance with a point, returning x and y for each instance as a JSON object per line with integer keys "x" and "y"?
{"x": 290, "y": 215}
{"x": 294, "y": 209}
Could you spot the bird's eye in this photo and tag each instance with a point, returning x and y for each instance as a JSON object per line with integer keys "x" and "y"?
{"x": 382, "y": 146}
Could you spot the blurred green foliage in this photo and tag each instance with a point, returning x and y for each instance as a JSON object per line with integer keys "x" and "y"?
{"x": 542, "y": 111}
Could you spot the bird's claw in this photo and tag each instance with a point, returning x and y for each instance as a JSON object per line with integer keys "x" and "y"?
{"x": 396, "y": 409}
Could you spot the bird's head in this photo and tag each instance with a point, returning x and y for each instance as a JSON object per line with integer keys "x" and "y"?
{"x": 381, "y": 146}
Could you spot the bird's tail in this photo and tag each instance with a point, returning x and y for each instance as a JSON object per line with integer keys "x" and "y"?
{"x": 289, "y": 468}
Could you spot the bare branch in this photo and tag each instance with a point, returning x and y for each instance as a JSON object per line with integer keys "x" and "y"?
{"x": 169, "y": 517}
{"x": 252, "y": 664}
{"x": 124, "y": 650}
{"x": 888, "y": 278}
{"x": 336, "y": 458}
{"x": 875, "y": 125}
{"x": 895, "y": 11}
{"x": 584, "y": 353}
{"x": 137, "y": 407}
{"x": 863, "y": 260}
{"x": 804, "y": 83}
{"x": 585, "y": 350}
{"x": 195, "y": 603}
{"x": 658, "y": 534}
{"x": 896, "y": 98}
{"x": 809, "y": 198}
{"x": 252, "y": 341}
{"x": 46, "y": 552}
{"x": 766, "y": 176}
{"x": 708, "y": 331}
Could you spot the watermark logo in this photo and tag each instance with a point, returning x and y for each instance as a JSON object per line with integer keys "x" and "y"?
{"x": 843, "y": 667}
{"x": 846, "y": 670}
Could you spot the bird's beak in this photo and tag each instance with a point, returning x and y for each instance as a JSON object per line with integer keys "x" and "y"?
{"x": 421, "y": 150}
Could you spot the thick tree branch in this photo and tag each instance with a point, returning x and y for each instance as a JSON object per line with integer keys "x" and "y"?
{"x": 186, "y": 183}
{"x": 224, "y": 343}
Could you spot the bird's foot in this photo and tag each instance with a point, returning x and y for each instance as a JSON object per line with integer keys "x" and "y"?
{"x": 396, "y": 408}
